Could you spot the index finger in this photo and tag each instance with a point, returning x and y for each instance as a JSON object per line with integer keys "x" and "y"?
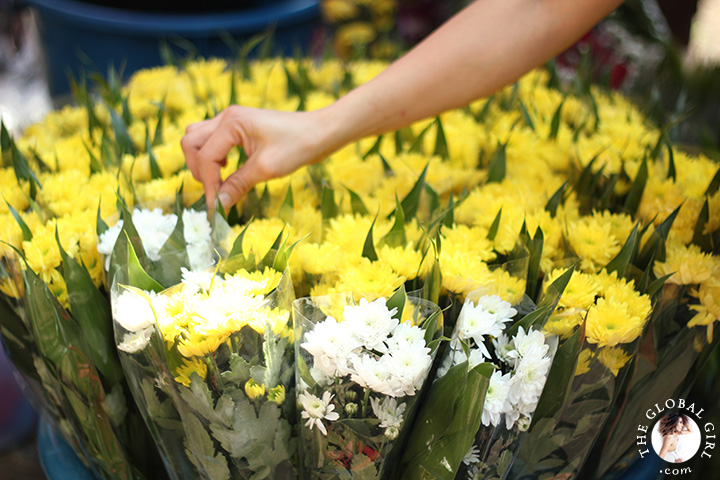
{"x": 211, "y": 158}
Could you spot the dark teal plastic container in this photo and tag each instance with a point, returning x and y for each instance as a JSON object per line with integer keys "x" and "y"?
{"x": 73, "y": 32}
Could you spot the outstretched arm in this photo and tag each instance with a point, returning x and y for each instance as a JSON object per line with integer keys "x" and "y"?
{"x": 487, "y": 45}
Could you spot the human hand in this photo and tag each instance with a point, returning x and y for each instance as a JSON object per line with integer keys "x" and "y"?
{"x": 276, "y": 143}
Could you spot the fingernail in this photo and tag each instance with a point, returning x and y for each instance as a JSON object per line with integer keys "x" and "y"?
{"x": 225, "y": 200}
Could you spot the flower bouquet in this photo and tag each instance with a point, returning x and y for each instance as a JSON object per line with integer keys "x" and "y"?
{"x": 209, "y": 361}
{"x": 360, "y": 368}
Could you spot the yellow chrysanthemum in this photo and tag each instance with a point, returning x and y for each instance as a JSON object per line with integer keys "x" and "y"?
{"x": 583, "y": 364}
{"x": 708, "y": 311}
{"x": 611, "y": 323}
{"x": 614, "y": 358}
{"x": 687, "y": 264}
{"x": 371, "y": 277}
{"x": 593, "y": 242}
{"x": 184, "y": 372}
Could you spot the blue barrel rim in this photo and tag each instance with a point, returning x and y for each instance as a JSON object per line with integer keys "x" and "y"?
{"x": 141, "y": 23}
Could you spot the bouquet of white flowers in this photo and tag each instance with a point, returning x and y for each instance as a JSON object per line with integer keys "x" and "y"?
{"x": 209, "y": 361}
{"x": 360, "y": 368}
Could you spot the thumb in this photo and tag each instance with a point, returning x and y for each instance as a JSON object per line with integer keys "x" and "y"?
{"x": 237, "y": 185}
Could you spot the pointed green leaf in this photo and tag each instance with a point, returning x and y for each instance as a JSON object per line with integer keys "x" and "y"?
{"x": 555, "y": 201}
{"x": 655, "y": 245}
{"x": 122, "y": 137}
{"x": 714, "y": 184}
{"x": 560, "y": 378}
{"x": 375, "y": 149}
{"x": 369, "y": 247}
{"x": 526, "y": 116}
{"x": 23, "y": 170}
{"x": 328, "y": 207}
{"x": 700, "y": 238}
{"x": 555, "y": 123}
{"x": 449, "y": 218}
{"x": 482, "y": 114}
{"x": 533, "y": 275}
{"x": 173, "y": 255}
{"x": 441, "y": 146}
{"x": 433, "y": 283}
{"x": 632, "y": 200}
{"x": 411, "y": 202}
{"x": 91, "y": 311}
{"x": 158, "y": 137}
{"x": 417, "y": 144}
{"x": 26, "y": 232}
{"x": 492, "y": 232}
{"x": 269, "y": 258}
{"x": 434, "y": 199}
{"x": 657, "y": 284}
{"x": 397, "y": 300}
{"x": 497, "y": 166}
{"x": 396, "y": 236}
{"x": 237, "y": 248}
{"x": 155, "y": 172}
{"x": 624, "y": 256}
{"x": 386, "y": 166}
{"x": 356, "y": 203}
{"x": 288, "y": 206}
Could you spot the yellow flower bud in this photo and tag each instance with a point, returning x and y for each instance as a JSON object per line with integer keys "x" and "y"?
{"x": 253, "y": 389}
{"x": 277, "y": 394}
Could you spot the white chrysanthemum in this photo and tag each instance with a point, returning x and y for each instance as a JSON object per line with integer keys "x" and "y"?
{"x": 390, "y": 415}
{"x": 200, "y": 255}
{"x": 488, "y": 317}
{"x": 135, "y": 341}
{"x": 530, "y": 344}
{"x": 199, "y": 280}
{"x": 504, "y": 349}
{"x": 496, "y": 398}
{"x": 370, "y": 373}
{"x": 472, "y": 456}
{"x": 107, "y": 240}
{"x": 133, "y": 311}
{"x": 408, "y": 367}
{"x": 497, "y": 307}
{"x": 528, "y": 381}
{"x": 316, "y": 410}
{"x": 196, "y": 227}
{"x": 405, "y": 335}
{"x": 330, "y": 345}
{"x": 371, "y": 323}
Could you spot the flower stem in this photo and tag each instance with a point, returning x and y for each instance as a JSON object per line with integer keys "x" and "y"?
{"x": 365, "y": 402}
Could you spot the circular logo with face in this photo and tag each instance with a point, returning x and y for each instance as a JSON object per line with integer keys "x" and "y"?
{"x": 676, "y": 438}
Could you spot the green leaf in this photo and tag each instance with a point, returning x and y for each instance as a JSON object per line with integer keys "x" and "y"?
{"x": 386, "y": 166}
{"x": 714, "y": 184}
{"x": 5, "y": 143}
{"x": 449, "y": 216}
{"x": 26, "y": 232}
{"x": 705, "y": 242}
{"x": 555, "y": 123}
{"x": 155, "y": 172}
{"x": 434, "y": 199}
{"x": 269, "y": 258}
{"x": 101, "y": 227}
{"x": 482, "y": 114}
{"x": 356, "y": 203}
{"x": 328, "y": 207}
{"x": 560, "y": 378}
{"x": 158, "y": 137}
{"x": 533, "y": 275}
{"x": 526, "y": 116}
{"x": 237, "y": 248}
{"x": 46, "y": 318}
{"x": 200, "y": 449}
{"x": 122, "y": 137}
{"x": 173, "y": 254}
{"x": 657, "y": 284}
{"x": 91, "y": 311}
{"x": 492, "y": 232}
{"x": 433, "y": 283}
{"x": 441, "y": 146}
{"x": 411, "y": 202}
{"x": 375, "y": 149}
{"x": 369, "y": 247}
{"x": 624, "y": 257}
{"x": 396, "y": 236}
{"x": 497, "y": 168}
{"x": 555, "y": 201}
{"x": 288, "y": 206}
{"x": 23, "y": 170}
{"x": 397, "y": 300}
{"x": 655, "y": 245}
{"x": 671, "y": 164}
{"x": 450, "y": 418}
{"x": 634, "y": 195}
{"x": 417, "y": 144}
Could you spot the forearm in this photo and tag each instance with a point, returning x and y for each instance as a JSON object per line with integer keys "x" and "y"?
{"x": 486, "y": 46}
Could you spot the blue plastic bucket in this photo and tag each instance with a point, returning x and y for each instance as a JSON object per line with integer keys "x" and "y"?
{"x": 17, "y": 417}
{"x": 71, "y": 30}
{"x": 57, "y": 458}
